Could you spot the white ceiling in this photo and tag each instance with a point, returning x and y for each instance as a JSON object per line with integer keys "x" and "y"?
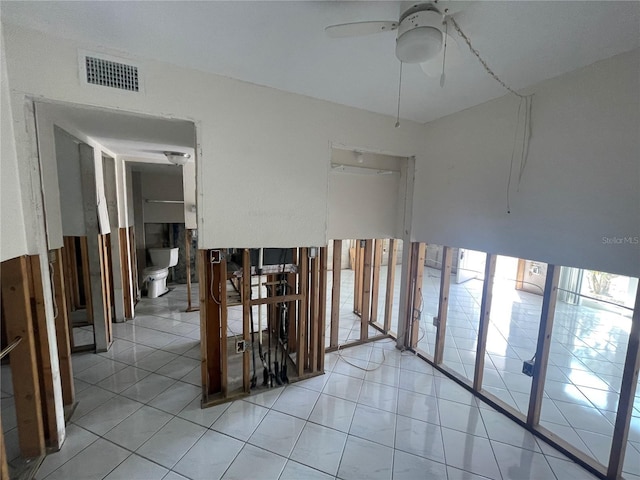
{"x": 136, "y": 137}
{"x": 283, "y": 45}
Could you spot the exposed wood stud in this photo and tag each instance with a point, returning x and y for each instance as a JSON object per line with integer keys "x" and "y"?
{"x": 205, "y": 331}
{"x": 627, "y": 395}
{"x": 335, "y": 292}
{"x": 4, "y": 467}
{"x": 443, "y": 304}
{"x": 86, "y": 278}
{"x": 485, "y": 311}
{"x": 322, "y": 314}
{"x": 357, "y": 279}
{"x": 420, "y": 249}
{"x": 391, "y": 278}
{"x": 43, "y": 351}
{"x": 220, "y": 289}
{"x": 366, "y": 289}
{"x": 544, "y": 343}
{"x": 246, "y": 318}
{"x": 24, "y": 369}
{"x": 62, "y": 330}
{"x": 187, "y": 253}
{"x": 125, "y": 265}
{"x": 303, "y": 276}
{"x": 294, "y": 305}
{"x": 313, "y": 313}
{"x": 375, "y": 283}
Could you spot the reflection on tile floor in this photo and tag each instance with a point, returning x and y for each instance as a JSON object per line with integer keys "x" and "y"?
{"x": 139, "y": 418}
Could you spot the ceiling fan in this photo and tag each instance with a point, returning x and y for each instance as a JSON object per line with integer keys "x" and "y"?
{"x": 422, "y": 37}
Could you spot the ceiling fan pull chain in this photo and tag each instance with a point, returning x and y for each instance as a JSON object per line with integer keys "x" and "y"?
{"x": 399, "y": 90}
{"x": 444, "y": 52}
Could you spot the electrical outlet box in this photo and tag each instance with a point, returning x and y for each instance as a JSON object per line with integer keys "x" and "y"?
{"x": 241, "y": 346}
{"x": 215, "y": 256}
{"x": 527, "y": 367}
{"x": 435, "y": 321}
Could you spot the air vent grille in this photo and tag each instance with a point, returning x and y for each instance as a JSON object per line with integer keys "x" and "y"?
{"x": 112, "y": 74}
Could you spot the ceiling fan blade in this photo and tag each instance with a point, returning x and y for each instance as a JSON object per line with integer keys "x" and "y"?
{"x": 359, "y": 29}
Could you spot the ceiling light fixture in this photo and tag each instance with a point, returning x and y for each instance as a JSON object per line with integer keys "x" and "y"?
{"x": 419, "y": 37}
{"x": 177, "y": 158}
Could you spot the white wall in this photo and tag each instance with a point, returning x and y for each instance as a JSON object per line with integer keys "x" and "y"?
{"x": 158, "y": 186}
{"x": 362, "y": 205}
{"x": 71, "y": 201}
{"x": 13, "y": 241}
{"x": 581, "y": 182}
{"x": 278, "y": 143}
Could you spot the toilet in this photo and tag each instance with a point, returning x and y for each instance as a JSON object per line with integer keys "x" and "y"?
{"x": 156, "y": 275}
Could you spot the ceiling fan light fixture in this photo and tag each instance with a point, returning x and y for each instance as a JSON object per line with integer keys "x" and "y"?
{"x": 177, "y": 158}
{"x": 418, "y": 44}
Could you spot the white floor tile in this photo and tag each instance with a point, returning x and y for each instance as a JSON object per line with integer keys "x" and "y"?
{"x": 108, "y": 415}
{"x": 297, "y": 471}
{"x": 374, "y": 425}
{"x": 379, "y": 396}
{"x": 240, "y": 420}
{"x": 343, "y": 386}
{"x": 202, "y": 416}
{"x": 77, "y": 439}
{"x": 320, "y": 448}
{"x": 418, "y": 406}
{"x": 171, "y": 442}
{"x": 210, "y": 457}
{"x": 419, "y": 438}
{"x": 470, "y": 453}
{"x": 176, "y": 397}
{"x": 333, "y": 412}
{"x": 148, "y": 388}
{"x": 138, "y": 428}
{"x": 277, "y": 433}
{"x": 519, "y": 464}
{"x": 93, "y": 463}
{"x": 253, "y": 459}
{"x": 365, "y": 460}
{"x": 412, "y": 467}
{"x": 137, "y": 468}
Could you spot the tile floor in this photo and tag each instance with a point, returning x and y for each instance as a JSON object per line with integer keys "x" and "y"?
{"x": 139, "y": 418}
{"x": 587, "y": 355}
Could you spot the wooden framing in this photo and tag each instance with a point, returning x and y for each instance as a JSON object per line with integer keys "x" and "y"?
{"x": 322, "y": 310}
{"x": 18, "y": 321}
{"x": 391, "y": 278}
{"x": 544, "y": 343}
{"x": 443, "y": 305}
{"x": 627, "y": 393}
{"x": 335, "y": 292}
{"x": 303, "y": 286}
{"x": 520, "y": 274}
{"x": 104, "y": 250}
{"x": 72, "y": 289}
{"x": 485, "y": 312}
{"x": 418, "y": 257}
{"x": 375, "y": 282}
{"x": 43, "y": 352}
{"x": 86, "y": 278}
{"x": 357, "y": 279}
{"x": 313, "y": 312}
{"x": 366, "y": 289}
{"x": 125, "y": 265}
{"x": 246, "y": 318}
{"x": 134, "y": 264}
{"x": 187, "y": 253}
{"x": 4, "y": 467}
{"x": 62, "y": 329}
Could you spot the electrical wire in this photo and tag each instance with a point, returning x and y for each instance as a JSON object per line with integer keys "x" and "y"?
{"x": 384, "y": 359}
{"x": 528, "y": 101}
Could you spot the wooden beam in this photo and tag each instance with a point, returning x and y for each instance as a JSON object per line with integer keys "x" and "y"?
{"x": 391, "y": 278}
{"x": 220, "y": 289}
{"x": 294, "y": 306}
{"x": 322, "y": 312}
{"x": 335, "y": 292}
{"x": 86, "y": 278}
{"x": 134, "y": 264}
{"x": 303, "y": 287}
{"x": 205, "y": 333}
{"x": 421, "y": 248}
{"x": 443, "y": 304}
{"x": 520, "y": 274}
{"x": 24, "y": 368}
{"x": 125, "y": 265}
{"x": 357, "y": 279}
{"x": 627, "y": 394}
{"x": 366, "y": 289}
{"x": 62, "y": 330}
{"x": 43, "y": 352}
{"x": 313, "y": 312}
{"x": 544, "y": 344}
{"x": 485, "y": 312}
{"x": 107, "y": 284}
{"x": 187, "y": 253}
{"x": 246, "y": 317}
{"x": 375, "y": 283}
{"x": 4, "y": 467}
{"x": 276, "y": 299}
